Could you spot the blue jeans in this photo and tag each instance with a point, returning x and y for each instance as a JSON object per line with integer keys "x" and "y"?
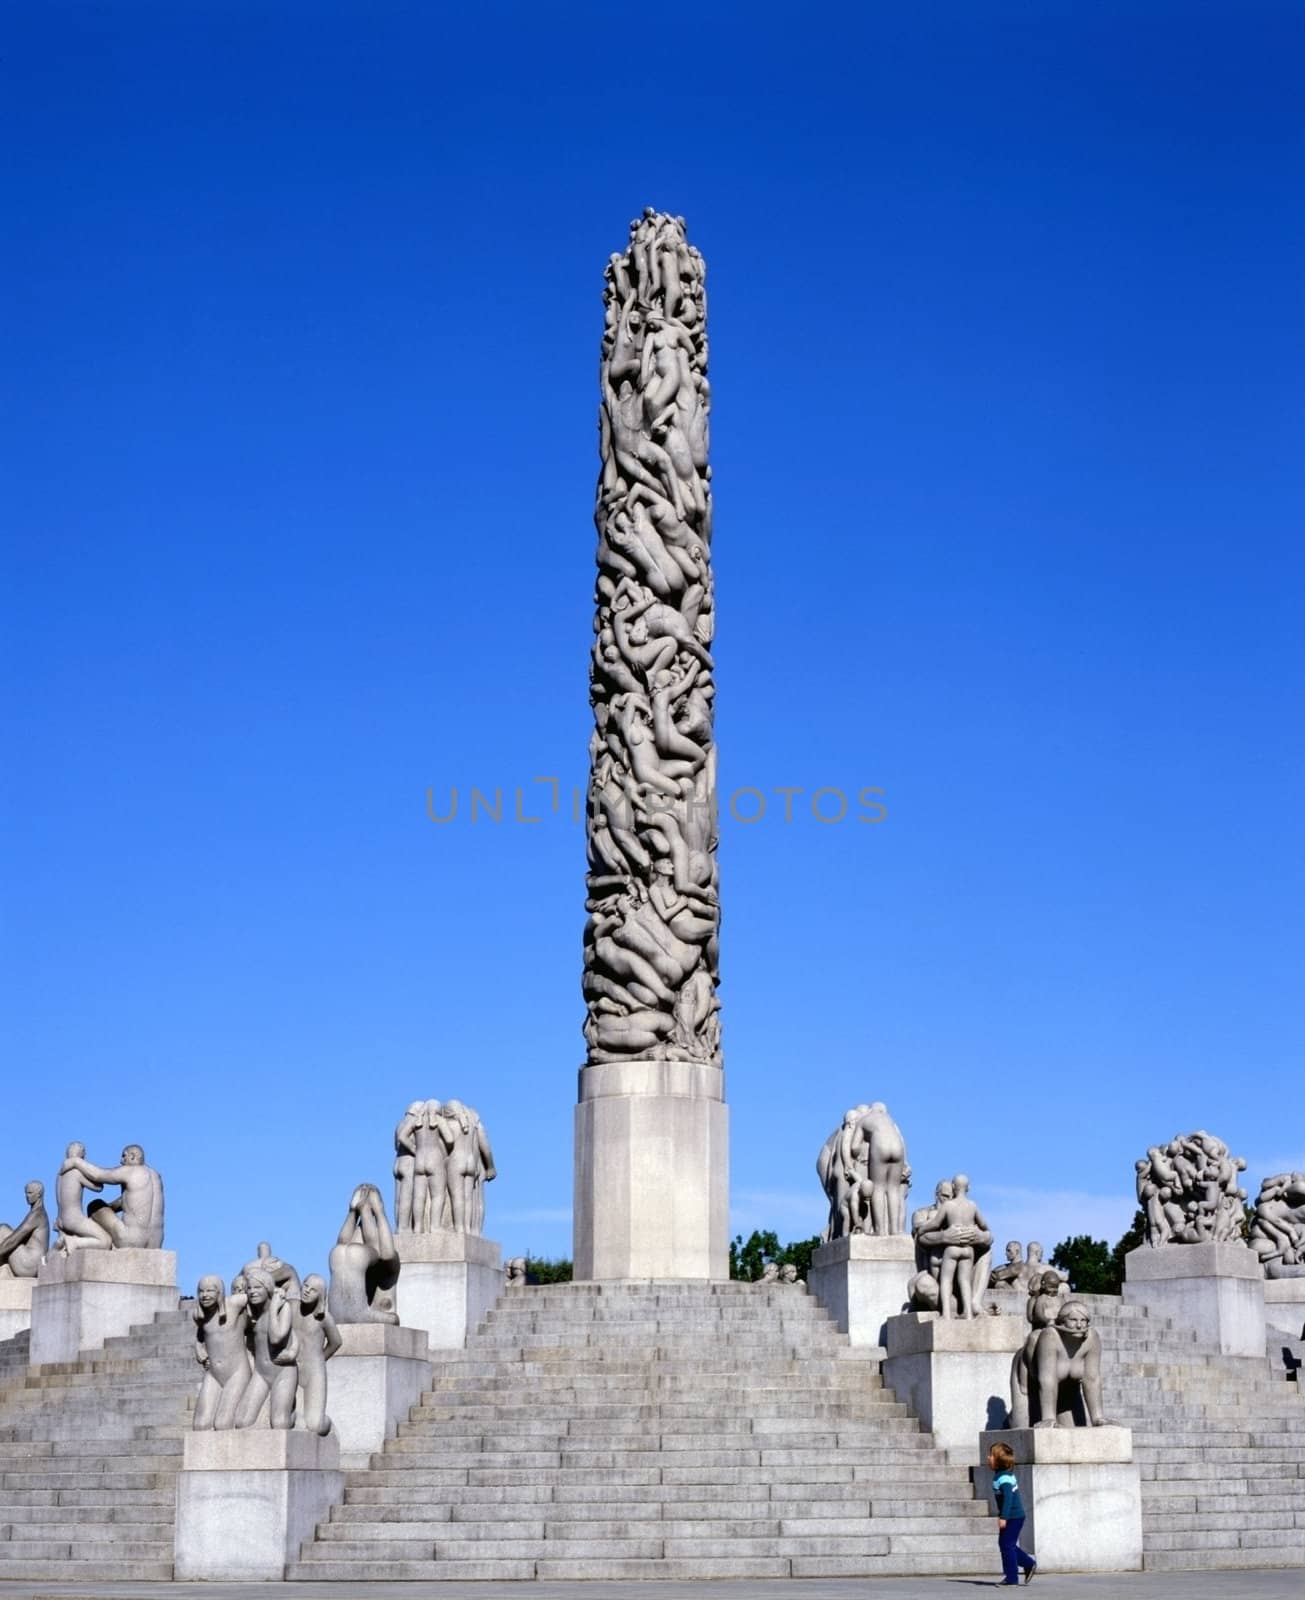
{"x": 1012, "y": 1557}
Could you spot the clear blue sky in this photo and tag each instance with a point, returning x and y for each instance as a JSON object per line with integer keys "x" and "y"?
{"x": 301, "y": 315}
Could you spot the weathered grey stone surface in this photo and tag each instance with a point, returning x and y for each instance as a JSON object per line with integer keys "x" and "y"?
{"x": 1284, "y": 1306}
{"x": 953, "y": 1253}
{"x": 1189, "y": 1192}
{"x": 448, "y": 1283}
{"x": 248, "y": 1498}
{"x": 953, "y": 1373}
{"x": 15, "y": 1306}
{"x": 23, "y": 1246}
{"x": 861, "y": 1280}
{"x": 1082, "y": 1494}
{"x": 863, "y": 1169}
{"x": 82, "y": 1299}
{"x": 364, "y": 1262}
{"x": 379, "y": 1373}
{"x": 1277, "y": 1232}
{"x": 1216, "y": 1289}
{"x": 133, "y": 1221}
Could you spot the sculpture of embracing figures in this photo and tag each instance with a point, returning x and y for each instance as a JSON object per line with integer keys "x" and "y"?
{"x": 953, "y": 1253}
{"x": 442, "y": 1163}
{"x": 1277, "y": 1231}
{"x": 134, "y": 1221}
{"x": 863, "y": 1169}
{"x": 1189, "y": 1191}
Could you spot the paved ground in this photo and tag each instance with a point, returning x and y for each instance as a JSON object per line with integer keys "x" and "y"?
{"x": 1282, "y": 1585}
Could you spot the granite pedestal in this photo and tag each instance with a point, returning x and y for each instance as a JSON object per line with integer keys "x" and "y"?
{"x": 953, "y": 1375}
{"x": 1082, "y": 1494}
{"x": 861, "y": 1281}
{"x": 1284, "y": 1306}
{"x": 247, "y": 1498}
{"x": 651, "y": 1171}
{"x": 15, "y": 1305}
{"x": 374, "y": 1379}
{"x": 447, "y": 1283}
{"x": 84, "y": 1298}
{"x": 1216, "y": 1289}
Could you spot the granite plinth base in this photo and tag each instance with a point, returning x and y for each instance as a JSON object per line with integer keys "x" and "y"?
{"x": 82, "y": 1299}
{"x": 1082, "y": 1494}
{"x": 247, "y": 1498}
{"x": 375, "y": 1378}
{"x": 953, "y": 1374}
{"x": 1216, "y": 1289}
{"x": 447, "y": 1284}
{"x": 15, "y": 1305}
{"x": 1284, "y": 1306}
{"x": 651, "y": 1172}
{"x": 861, "y": 1281}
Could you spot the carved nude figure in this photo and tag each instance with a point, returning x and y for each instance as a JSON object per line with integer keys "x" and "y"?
{"x": 317, "y": 1338}
{"x": 1046, "y": 1297}
{"x": 275, "y": 1352}
{"x": 76, "y": 1232}
{"x": 23, "y": 1247}
{"x": 221, "y": 1325}
{"x": 470, "y": 1165}
{"x": 1065, "y": 1371}
{"x": 364, "y": 1262}
{"x": 962, "y": 1236}
{"x": 405, "y": 1166}
{"x": 875, "y": 1140}
{"x": 135, "y": 1219}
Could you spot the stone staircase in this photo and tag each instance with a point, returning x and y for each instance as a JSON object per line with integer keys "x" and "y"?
{"x": 89, "y": 1453}
{"x": 670, "y": 1430}
{"x": 1220, "y": 1441}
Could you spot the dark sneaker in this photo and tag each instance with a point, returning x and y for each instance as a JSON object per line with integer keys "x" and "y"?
{"x": 1029, "y": 1572}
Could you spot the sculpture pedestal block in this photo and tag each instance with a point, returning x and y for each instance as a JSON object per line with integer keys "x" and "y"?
{"x": 651, "y": 1172}
{"x": 15, "y": 1305}
{"x": 82, "y": 1299}
{"x": 954, "y": 1375}
{"x": 1217, "y": 1289}
{"x": 447, "y": 1283}
{"x": 861, "y": 1281}
{"x": 1082, "y": 1493}
{"x": 374, "y": 1379}
{"x": 1284, "y": 1306}
{"x": 247, "y": 1498}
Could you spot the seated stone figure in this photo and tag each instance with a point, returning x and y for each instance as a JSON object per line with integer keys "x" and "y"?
{"x": 23, "y": 1247}
{"x": 134, "y": 1221}
{"x": 514, "y": 1270}
{"x": 1010, "y": 1276}
{"x": 1065, "y": 1372}
{"x": 221, "y": 1327}
{"x": 364, "y": 1262}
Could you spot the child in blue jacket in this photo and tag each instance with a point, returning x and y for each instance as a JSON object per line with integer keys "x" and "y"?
{"x": 1010, "y": 1515}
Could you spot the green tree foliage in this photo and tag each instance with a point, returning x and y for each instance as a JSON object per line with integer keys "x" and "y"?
{"x": 748, "y": 1257}
{"x": 1087, "y": 1263}
{"x": 541, "y": 1270}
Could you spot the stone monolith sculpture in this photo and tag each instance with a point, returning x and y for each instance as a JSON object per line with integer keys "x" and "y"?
{"x": 651, "y": 1125}
{"x": 133, "y": 1221}
{"x": 953, "y": 1245}
{"x": 23, "y": 1247}
{"x": 863, "y": 1169}
{"x": 1277, "y": 1230}
{"x": 364, "y": 1262}
{"x": 1189, "y": 1192}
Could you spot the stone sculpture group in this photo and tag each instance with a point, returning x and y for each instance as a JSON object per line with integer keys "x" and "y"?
{"x": 863, "y": 1169}
{"x": 1189, "y": 1192}
{"x": 132, "y": 1221}
{"x": 1020, "y": 1271}
{"x": 442, "y": 1162}
{"x": 953, "y": 1253}
{"x": 650, "y": 945}
{"x": 1277, "y": 1230}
